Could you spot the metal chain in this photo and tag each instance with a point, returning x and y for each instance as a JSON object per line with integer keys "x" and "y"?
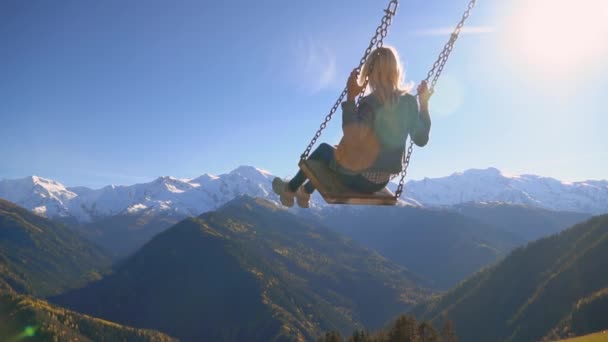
{"x": 437, "y": 68}
{"x": 376, "y": 41}
{"x": 434, "y": 73}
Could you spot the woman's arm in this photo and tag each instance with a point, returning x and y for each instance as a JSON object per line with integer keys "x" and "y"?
{"x": 353, "y": 88}
{"x": 425, "y": 116}
{"x": 351, "y": 114}
{"x": 422, "y": 128}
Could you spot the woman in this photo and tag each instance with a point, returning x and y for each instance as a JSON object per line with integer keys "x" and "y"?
{"x": 372, "y": 147}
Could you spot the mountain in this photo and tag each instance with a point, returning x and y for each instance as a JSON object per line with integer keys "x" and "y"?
{"x": 191, "y": 197}
{"x": 552, "y": 287}
{"x": 123, "y": 234}
{"x": 490, "y": 185}
{"x": 41, "y": 257}
{"x": 527, "y": 223}
{"x": 42, "y": 196}
{"x": 587, "y": 315}
{"x": 26, "y": 318}
{"x": 186, "y": 197}
{"x": 250, "y": 271}
{"x": 443, "y": 246}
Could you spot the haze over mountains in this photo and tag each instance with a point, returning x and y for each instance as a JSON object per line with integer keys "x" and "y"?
{"x": 250, "y": 271}
{"x": 445, "y": 246}
{"x": 191, "y": 197}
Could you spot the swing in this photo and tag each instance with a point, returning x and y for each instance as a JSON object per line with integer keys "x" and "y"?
{"x": 334, "y": 192}
{"x": 325, "y": 179}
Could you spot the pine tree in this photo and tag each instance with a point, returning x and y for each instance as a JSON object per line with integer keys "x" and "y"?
{"x": 447, "y": 332}
{"x": 404, "y": 330}
{"x": 360, "y": 336}
{"x": 331, "y": 336}
{"x": 427, "y": 333}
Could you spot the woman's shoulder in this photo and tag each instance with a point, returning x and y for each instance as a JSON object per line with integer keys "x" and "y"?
{"x": 406, "y": 96}
{"x": 371, "y": 101}
{"x": 403, "y": 97}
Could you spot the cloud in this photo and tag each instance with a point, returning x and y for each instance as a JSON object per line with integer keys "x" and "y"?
{"x": 315, "y": 65}
{"x": 446, "y": 31}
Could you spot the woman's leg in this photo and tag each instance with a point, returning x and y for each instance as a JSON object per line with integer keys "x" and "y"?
{"x": 325, "y": 153}
{"x": 309, "y": 188}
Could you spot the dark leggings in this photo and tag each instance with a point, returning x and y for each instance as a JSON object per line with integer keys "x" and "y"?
{"x": 325, "y": 154}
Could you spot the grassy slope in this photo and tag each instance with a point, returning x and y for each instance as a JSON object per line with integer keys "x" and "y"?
{"x": 597, "y": 337}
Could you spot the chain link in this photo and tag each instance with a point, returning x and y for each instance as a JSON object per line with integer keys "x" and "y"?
{"x": 376, "y": 41}
{"x": 434, "y": 73}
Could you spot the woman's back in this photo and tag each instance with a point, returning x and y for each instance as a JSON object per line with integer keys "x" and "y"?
{"x": 375, "y": 134}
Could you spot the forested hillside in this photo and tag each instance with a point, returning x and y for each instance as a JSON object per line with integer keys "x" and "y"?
{"x": 250, "y": 271}
{"x": 41, "y": 257}
{"x": 24, "y": 318}
{"x": 553, "y": 287}
{"x": 442, "y": 246}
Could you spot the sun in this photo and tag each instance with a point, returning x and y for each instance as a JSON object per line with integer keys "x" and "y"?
{"x": 559, "y": 37}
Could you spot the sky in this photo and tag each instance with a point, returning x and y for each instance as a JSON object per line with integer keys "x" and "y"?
{"x": 121, "y": 92}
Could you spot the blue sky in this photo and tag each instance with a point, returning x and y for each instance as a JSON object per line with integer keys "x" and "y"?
{"x": 100, "y": 92}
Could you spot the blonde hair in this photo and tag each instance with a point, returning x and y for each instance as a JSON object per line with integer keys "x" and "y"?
{"x": 385, "y": 74}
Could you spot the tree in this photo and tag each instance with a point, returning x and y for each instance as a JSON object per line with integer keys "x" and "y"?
{"x": 404, "y": 330}
{"x": 427, "y": 333}
{"x": 447, "y": 332}
{"x": 360, "y": 336}
{"x": 331, "y": 336}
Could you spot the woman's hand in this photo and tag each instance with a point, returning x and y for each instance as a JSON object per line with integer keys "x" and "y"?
{"x": 424, "y": 94}
{"x": 353, "y": 88}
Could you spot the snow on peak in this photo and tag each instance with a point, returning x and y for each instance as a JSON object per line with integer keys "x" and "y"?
{"x": 136, "y": 208}
{"x": 41, "y": 210}
{"x": 165, "y": 179}
{"x": 490, "y": 172}
{"x": 491, "y": 185}
{"x": 208, "y": 192}
{"x": 47, "y": 197}
{"x": 203, "y": 179}
{"x": 172, "y": 184}
{"x": 47, "y": 184}
{"x": 166, "y": 193}
{"x": 251, "y": 172}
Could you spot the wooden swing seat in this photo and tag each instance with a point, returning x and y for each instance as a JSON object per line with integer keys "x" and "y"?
{"x": 333, "y": 191}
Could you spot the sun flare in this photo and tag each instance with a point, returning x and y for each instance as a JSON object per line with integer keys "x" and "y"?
{"x": 560, "y": 37}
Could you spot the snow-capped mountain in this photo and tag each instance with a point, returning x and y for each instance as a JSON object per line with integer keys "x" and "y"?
{"x": 42, "y": 196}
{"x": 208, "y": 192}
{"x": 183, "y": 196}
{"x": 490, "y": 185}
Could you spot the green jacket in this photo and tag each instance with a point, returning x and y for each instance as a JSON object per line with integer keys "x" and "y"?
{"x": 388, "y": 129}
